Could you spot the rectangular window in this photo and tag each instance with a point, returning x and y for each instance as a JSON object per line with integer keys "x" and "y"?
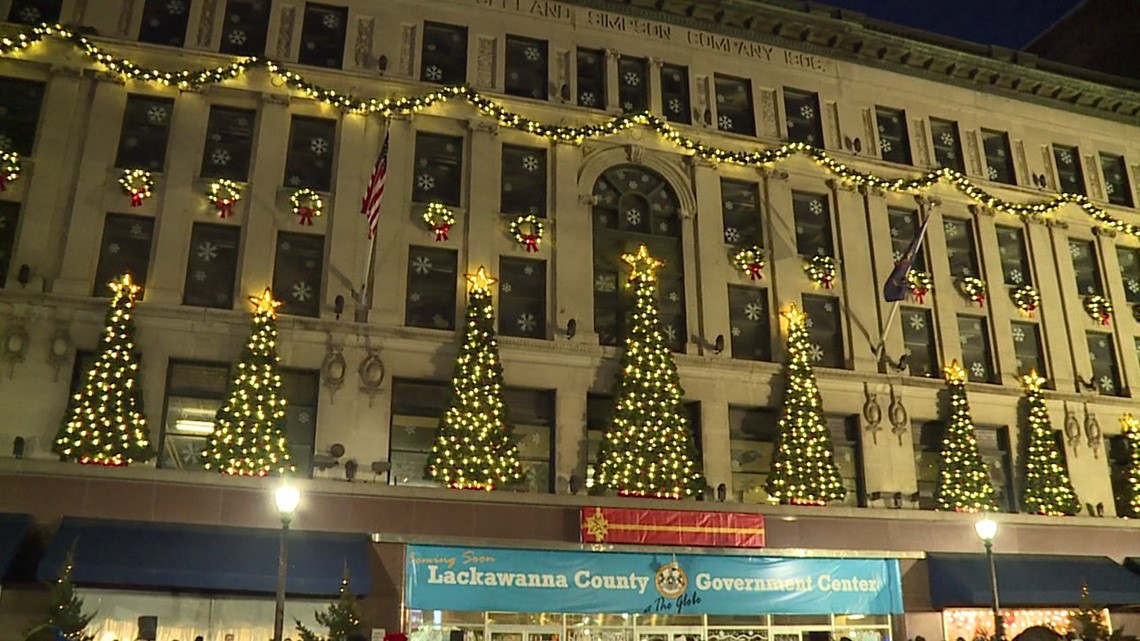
{"x": 894, "y": 142}
{"x": 592, "y": 78}
{"x": 523, "y": 188}
{"x": 826, "y": 330}
{"x": 947, "y": 144}
{"x": 416, "y": 408}
{"x": 125, "y": 250}
{"x": 164, "y": 23}
{"x": 522, "y": 297}
{"x": 298, "y": 269}
{"x": 1070, "y": 176}
{"x": 1015, "y": 267}
{"x": 528, "y": 67}
{"x": 532, "y": 428}
{"x": 904, "y": 227}
{"x": 1029, "y": 349}
{"x": 229, "y": 143}
{"x": 734, "y": 111}
{"x": 599, "y": 408}
{"x": 1120, "y": 467}
{"x": 740, "y": 212}
{"x": 309, "y": 159}
{"x": 34, "y": 12}
{"x": 9, "y": 223}
{"x": 974, "y": 335}
{"x": 194, "y": 393}
{"x": 993, "y": 444}
{"x": 245, "y": 27}
{"x": 752, "y": 441}
{"x": 961, "y": 248}
{"x": 633, "y": 84}
{"x": 301, "y": 389}
{"x": 444, "y": 56}
{"x": 323, "y": 34}
{"x": 918, "y": 340}
{"x": 439, "y": 169}
{"x": 813, "y": 224}
{"x": 20, "y": 102}
{"x": 751, "y": 330}
{"x": 212, "y": 267}
{"x": 431, "y": 288}
{"x": 1116, "y": 179}
{"x": 675, "y": 93}
{"x": 146, "y": 129}
{"x": 999, "y": 159}
{"x": 1129, "y": 258}
{"x": 801, "y": 109}
{"x": 1086, "y": 267}
{"x": 1105, "y": 370}
{"x": 848, "y": 458}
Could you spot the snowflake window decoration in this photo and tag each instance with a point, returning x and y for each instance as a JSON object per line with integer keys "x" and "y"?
{"x": 816, "y": 352}
{"x": 753, "y": 312}
{"x": 237, "y": 37}
{"x": 724, "y": 123}
{"x": 425, "y": 182}
{"x": 421, "y": 265}
{"x": 307, "y": 205}
{"x": 806, "y": 112}
{"x": 632, "y": 79}
{"x": 946, "y": 139}
{"x": 750, "y": 260}
{"x": 156, "y": 114}
{"x": 605, "y": 283}
{"x": 302, "y": 291}
{"x": 1099, "y": 308}
{"x": 433, "y": 73}
{"x": 973, "y": 289}
{"x": 978, "y": 370}
{"x": 9, "y": 168}
{"x": 30, "y": 15}
{"x": 138, "y": 184}
{"x": 816, "y": 207}
{"x": 586, "y": 99}
{"x": 224, "y": 193}
{"x": 821, "y": 271}
{"x": 526, "y": 322}
{"x": 1018, "y": 335}
{"x": 885, "y": 146}
{"x": 439, "y": 220}
{"x": 530, "y": 163}
{"x": 331, "y": 21}
{"x": 917, "y": 322}
{"x": 532, "y": 54}
{"x": 207, "y": 251}
{"x": 319, "y": 146}
{"x": 991, "y": 173}
{"x": 731, "y": 235}
{"x": 633, "y": 216}
{"x": 220, "y": 157}
{"x": 527, "y": 231}
{"x": 675, "y": 105}
{"x": 735, "y": 331}
{"x": 1027, "y": 299}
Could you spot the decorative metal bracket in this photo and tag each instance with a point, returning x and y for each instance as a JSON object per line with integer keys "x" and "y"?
{"x": 371, "y": 373}
{"x": 1092, "y": 432}
{"x": 899, "y": 417}
{"x": 872, "y": 413}
{"x": 334, "y": 369}
{"x": 1072, "y": 430}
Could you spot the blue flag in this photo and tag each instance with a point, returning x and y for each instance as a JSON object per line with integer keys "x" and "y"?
{"x": 895, "y": 289}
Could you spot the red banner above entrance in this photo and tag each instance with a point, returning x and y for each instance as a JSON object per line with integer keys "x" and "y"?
{"x": 672, "y": 527}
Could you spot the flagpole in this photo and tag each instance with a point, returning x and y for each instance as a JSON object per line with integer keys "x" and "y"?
{"x": 882, "y": 347}
{"x": 363, "y": 299}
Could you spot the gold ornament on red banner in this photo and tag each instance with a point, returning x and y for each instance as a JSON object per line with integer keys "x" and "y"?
{"x": 224, "y": 194}
{"x": 9, "y": 168}
{"x": 307, "y": 204}
{"x": 138, "y": 184}
{"x": 750, "y": 260}
{"x": 528, "y": 231}
{"x": 439, "y": 220}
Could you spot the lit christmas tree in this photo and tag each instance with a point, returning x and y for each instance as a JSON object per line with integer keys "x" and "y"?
{"x": 65, "y": 617}
{"x": 1087, "y": 621}
{"x": 963, "y": 481}
{"x": 473, "y": 448}
{"x": 803, "y": 464}
{"x": 647, "y": 448}
{"x": 342, "y": 618}
{"x": 1130, "y": 426}
{"x": 105, "y": 424}
{"x": 1048, "y": 489}
{"x": 249, "y": 429}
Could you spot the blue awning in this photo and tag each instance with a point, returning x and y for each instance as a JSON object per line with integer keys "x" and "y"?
{"x": 177, "y": 556}
{"x": 1029, "y": 580}
{"x": 13, "y": 530}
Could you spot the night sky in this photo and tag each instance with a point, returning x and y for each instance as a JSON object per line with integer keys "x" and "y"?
{"x": 1009, "y": 23}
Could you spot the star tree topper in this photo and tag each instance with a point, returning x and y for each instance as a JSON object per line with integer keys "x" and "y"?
{"x": 955, "y": 373}
{"x": 794, "y": 315}
{"x": 480, "y": 281}
{"x": 1033, "y": 381}
{"x": 265, "y": 303}
{"x": 124, "y": 286}
{"x": 642, "y": 265}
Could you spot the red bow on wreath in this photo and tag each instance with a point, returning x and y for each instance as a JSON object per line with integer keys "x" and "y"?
{"x": 1103, "y": 318}
{"x": 441, "y": 230}
{"x": 226, "y": 208}
{"x": 3, "y": 181}
{"x": 755, "y": 270}
{"x": 919, "y": 295}
{"x": 136, "y": 199}
{"x": 306, "y": 214}
{"x": 827, "y": 281}
{"x": 530, "y": 241}
{"x": 980, "y": 299}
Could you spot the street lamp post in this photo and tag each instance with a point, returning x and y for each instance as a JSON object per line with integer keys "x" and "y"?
{"x": 287, "y": 498}
{"x": 987, "y": 530}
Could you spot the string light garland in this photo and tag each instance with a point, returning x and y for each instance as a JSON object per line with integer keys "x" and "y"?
{"x": 821, "y": 271}
{"x": 224, "y": 194}
{"x": 803, "y": 468}
{"x": 919, "y": 283}
{"x": 307, "y": 205}
{"x": 189, "y": 78}
{"x": 105, "y": 424}
{"x": 1130, "y": 426}
{"x": 473, "y": 449}
{"x": 750, "y": 260}
{"x": 974, "y": 289}
{"x": 1099, "y": 308}
{"x": 10, "y": 168}
{"x": 647, "y": 447}
{"x": 249, "y": 428}
{"x": 139, "y": 185}
{"x": 1047, "y": 489}
{"x": 1027, "y": 299}
{"x": 439, "y": 220}
{"x": 527, "y": 231}
{"x": 963, "y": 480}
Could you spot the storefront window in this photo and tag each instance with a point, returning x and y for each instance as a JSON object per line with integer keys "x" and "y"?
{"x": 967, "y": 623}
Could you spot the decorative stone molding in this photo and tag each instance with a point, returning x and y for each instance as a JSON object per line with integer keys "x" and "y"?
{"x": 371, "y": 372}
{"x": 126, "y": 16}
{"x": 980, "y": 210}
{"x": 872, "y": 413}
{"x": 1104, "y": 232}
{"x": 1072, "y": 430}
{"x": 769, "y": 173}
{"x": 870, "y": 132}
{"x": 898, "y": 415}
{"x": 919, "y": 128}
{"x": 408, "y": 49}
{"x": 1050, "y": 172}
{"x": 59, "y": 349}
{"x": 362, "y": 49}
{"x": 280, "y": 100}
{"x": 334, "y": 369}
{"x": 206, "y": 23}
{"x": 838, "y": 185}
{"x": 1093, "y": 176}
{"x": 635, "y": 153}
{"x": 562, "y": 74}
{"x": 769, "y": 120}
{"x": 285, "y": 32}
{"x": 974, "y": 157}
{"x": 483, "y": 126}
{"x": 869, "y": 190}
{"x": 485, "y": 57}
{"x": 834, "y": 138}
{"x": 1092, "y": 432}
{"x": 1021, "y": 165}
{"x": 703, "y": 101}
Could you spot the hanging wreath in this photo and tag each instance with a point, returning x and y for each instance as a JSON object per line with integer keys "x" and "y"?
{"x": 527, "y": 230}
{"x": 1027, "y": 299}
{"x": 750, "y": 260}
{"x": 821, "y": 270}
{"x": 307, "y": 204}
{"x": 919, "y": 283}
{"x": 9, "y": 168}
{"x": 974, "y": 289}
{"x": 439, "y": 219}
{"x": 138, "y": 184}
{"x": 224, "y": 193}
{"x": 1099, "y": 307}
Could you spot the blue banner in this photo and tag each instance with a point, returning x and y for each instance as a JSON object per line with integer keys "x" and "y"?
{"x": 500, "y": 579}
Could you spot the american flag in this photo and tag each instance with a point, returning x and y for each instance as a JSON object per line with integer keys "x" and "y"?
{"x": 370, "y": 206}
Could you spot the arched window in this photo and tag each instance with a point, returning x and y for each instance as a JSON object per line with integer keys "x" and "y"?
{"x": 636, "y": 206}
